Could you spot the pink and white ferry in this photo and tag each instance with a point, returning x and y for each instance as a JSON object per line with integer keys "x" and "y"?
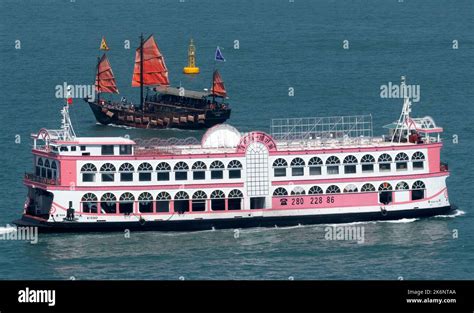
{"x": 307, "y": 171}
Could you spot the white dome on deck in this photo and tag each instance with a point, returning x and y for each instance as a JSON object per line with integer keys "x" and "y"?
{"x": 221, "y": 136}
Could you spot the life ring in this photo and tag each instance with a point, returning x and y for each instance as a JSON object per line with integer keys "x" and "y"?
{"x": 142, "y": 221}
{"x": 384, "y": 211}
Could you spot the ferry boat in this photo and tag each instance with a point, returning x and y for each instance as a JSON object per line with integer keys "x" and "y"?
{"x": 162, "y": 106}
{"x": 306, "y": 171}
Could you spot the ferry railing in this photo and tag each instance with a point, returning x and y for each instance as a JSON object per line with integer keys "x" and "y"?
{"x": 43, "y": 180}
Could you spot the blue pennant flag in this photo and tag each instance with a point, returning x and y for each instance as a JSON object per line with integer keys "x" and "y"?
{"x": 219, "y": 56}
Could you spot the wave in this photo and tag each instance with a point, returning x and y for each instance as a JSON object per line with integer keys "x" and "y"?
{"x": 455, "y": 213}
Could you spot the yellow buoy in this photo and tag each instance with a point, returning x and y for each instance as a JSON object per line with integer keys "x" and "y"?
{"x": 191, "y": 68}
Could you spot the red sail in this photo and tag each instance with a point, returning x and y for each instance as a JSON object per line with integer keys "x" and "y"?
{"x": 105, "y": 80}
{"x": 154, "y": 67}
{"x": 218, "y": 88}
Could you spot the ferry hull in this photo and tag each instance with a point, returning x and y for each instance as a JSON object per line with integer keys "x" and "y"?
{"x": 229, "y": 223}
{"x": 211, "y": 118}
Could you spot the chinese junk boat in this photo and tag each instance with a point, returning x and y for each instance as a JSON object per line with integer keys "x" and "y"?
{"x": 308, "y": 171}
{"x": 167, "y": 107}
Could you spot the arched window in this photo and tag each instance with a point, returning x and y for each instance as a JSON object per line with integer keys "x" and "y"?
{"x": 163, "y": 202}
{"x": 108, "y": 172}
{"x": 350, "y": 162}
{"x": 333, "y": 189}
{"x": 145, "y": 202}
{"x": 418, "y": 159}
{"x": 217, "y": 170}
{"x": 315, "y": 165}
{"x": 367, "y": 188}
{"x": 144, "y": 171}
{"x": 54, "y": 168}
{"x": 49, "y": 172}
{"x": 235, "y": 168}
{"x": 279, "y": 167}
{"x": 280, "y": 191}
{"x": 332, "y": 165}
{"x": 126, "y": 203}
{"x": 126, "y": 172}
{"x": 385, "y": 162}
{"x": 163, "y": 170}
{"x": 108, "y": 203}
{"x": 402, "y": 186}
{"x": 181, "y": 202}
{"x": 418, "y": 190}
{"x": 39, "y": 165}
{"x": 401, "y": 161}
{"x": 385, "y": 186}
{"x": 199, "y": 201}
{"x": 235, "y": 200}
{"x": 89, "y": 203}
{"x": 297, "y": 167}
{"x": 351, "y": 188}
{"x": 217, "y": 200}
{"x": 367, "y": 162}
{"x": 298, "y": 191}
{"x": 181, "y": 171}
{"x": 385, "y": 193}
{"x": 315, "y": 190}
{"x": 199, "y": 170}
{"x": 88, "y": 171}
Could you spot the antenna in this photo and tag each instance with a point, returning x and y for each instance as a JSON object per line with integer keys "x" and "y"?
{"x": 402, "y": 123}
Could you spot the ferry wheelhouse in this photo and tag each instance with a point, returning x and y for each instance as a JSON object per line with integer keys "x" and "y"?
{"x": 307, "y": 171}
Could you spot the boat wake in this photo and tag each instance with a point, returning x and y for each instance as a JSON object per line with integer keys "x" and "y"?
{"x": 455, "y": 213}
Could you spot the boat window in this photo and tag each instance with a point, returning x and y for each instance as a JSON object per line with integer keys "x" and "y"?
{"x": 297, "y": 167}
{"x": 332, "y": 165}
{"x": 279, "y": 167}
{"x": 401, "y": 161}
{"x": 89, "y": 203}
{"x": 257, "y": 203}
{"x": 418, "y": 159}
{"x": 144, "y": 171}
{"x": 418, "y": 190}
{"x": 351, "y": 188}
{"x": 315, "y": 164}
{"x": 108, "y": 172}
{"x": 315, "y": 190}
{"x": 385, "y": 161}
{"x": 163, "y": 202}
{"x": 199, "y": 201}
{"x": 217, "y": 170}
{"x": 181, "y": 202}
{"x": 280, "y": 191}
{"x": 333, "y": 189}
{"x": 298, "y": 191}
{"x": 88, "y": 171}
{"x": 235, "y": 200}
{"x": 199, "y": 170}
{"x": 367, "y": 188}
{"x": 367, "y": 162}
{"x": 73, "y": 148}
{"x": 83, "y": 148}
{"x": 163, "y": 171}
{"x": 145, "y": 202}
{"x": 181, "y": 171}
{"x": 107, "y": 150}
{"x": 126, "y": 172}
{"x": 217, "y": 200}
{"x": 63, "y": 148}
{"x": 108, "y": 203}
{"x": 402, "y": 186}
{"x": 235, "y": 168}
{"x": 125, "y": 149}
{"x": 350, "y": 162}
{"x": 126, "y": 203}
